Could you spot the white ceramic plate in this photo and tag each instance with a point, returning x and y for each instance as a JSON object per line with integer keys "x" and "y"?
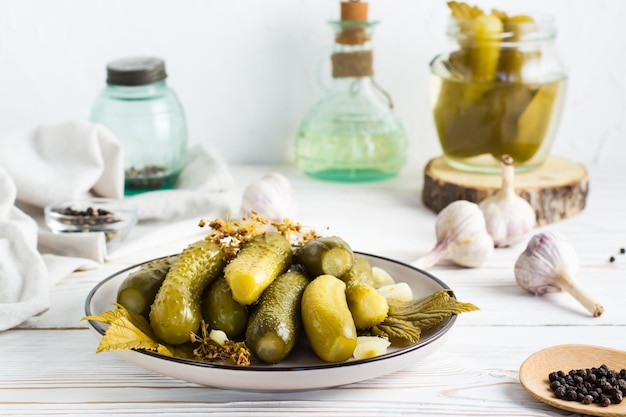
{"x": 302, "y": 370}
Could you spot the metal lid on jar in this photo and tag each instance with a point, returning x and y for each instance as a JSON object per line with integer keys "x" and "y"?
{"x": 136, "y": 71}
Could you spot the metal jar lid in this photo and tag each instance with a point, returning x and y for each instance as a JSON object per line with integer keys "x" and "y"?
{"x": 136, "y": 71}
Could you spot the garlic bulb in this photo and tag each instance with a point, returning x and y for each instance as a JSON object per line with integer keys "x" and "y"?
{"x": 550, "y": 264}
{"x": 461, "y": 237}
{"x": 509, "y": 217}
{"x": 270, "y": 197}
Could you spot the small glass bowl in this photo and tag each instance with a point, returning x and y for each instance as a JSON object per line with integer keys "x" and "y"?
{"x": 113, "y": 217}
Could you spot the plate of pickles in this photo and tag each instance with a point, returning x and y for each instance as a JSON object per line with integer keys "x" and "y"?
{"x": 270, "y": 315}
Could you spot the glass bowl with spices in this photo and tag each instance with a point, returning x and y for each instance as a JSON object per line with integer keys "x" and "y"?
{"x": 498, "y": 90}
{"x": 114, "y": 218}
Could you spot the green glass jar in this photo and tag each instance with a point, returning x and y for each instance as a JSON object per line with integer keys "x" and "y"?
{"x": 352, "y": 134}
{"x": 148, "y": 120}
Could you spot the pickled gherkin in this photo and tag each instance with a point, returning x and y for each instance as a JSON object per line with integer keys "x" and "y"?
{"x": 326, "y": 319}
{"x": 258, "y": 263}
{"x": 367, "y": 306}
{"x": 221, "y": 311}
{"x": 136, "y": 293}
{"x": 329, "y": 255}
{"x": 275, "y": 324}
{"x": 176, "y": 311}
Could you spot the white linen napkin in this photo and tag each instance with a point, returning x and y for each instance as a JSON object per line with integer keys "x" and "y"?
{"x": 23, "y": 275}
{"x": 69, "y": 160}
{"x": 72, "y": 160}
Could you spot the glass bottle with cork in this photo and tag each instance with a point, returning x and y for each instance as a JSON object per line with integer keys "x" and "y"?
{"x": 352, "y": 134}
{"x": 148, "y": 120}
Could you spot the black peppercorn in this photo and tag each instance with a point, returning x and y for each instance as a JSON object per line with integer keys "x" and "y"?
{"x": 560, "y": 391}
{"x": 572, "y": 395}
{"x": 592, "y": 385}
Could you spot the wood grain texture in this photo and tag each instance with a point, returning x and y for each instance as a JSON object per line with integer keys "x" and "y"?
{"x": 535, "y": 370}
{"x": 49, "y": 365}
{"x": 557, "y": 190}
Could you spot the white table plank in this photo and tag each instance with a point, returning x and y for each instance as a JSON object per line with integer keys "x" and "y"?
{"x": 48, "y": 366}
{"x": 52, "y": 371}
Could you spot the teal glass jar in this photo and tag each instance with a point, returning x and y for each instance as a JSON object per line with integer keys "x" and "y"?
{"x": 148, "y": 119}
{"x": 352, "y": 134}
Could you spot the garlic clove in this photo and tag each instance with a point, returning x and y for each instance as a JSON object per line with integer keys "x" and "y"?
{"x": 550, "y": 264}
{"x": 509, "y": 218}
{"x": 218, "y": 336}
{"x": 370, "y": 346}
{"x": 381, "y": 277}
{"x": 270, "y": 197}
{"x": 400, "y": 292}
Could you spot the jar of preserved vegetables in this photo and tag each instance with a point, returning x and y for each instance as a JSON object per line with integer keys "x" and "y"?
{"x": 499, "y": 90}
{"x": 148, "y": 120}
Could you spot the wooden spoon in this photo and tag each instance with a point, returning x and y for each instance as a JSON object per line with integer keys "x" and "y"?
{"x": 533, "y": 374}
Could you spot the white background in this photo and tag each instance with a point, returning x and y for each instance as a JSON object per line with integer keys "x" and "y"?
{"x": 247, "y": 71}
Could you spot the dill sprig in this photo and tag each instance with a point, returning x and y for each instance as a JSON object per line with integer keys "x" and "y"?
{"x": 232, "y": 235}
{"x": 211, "y": 351}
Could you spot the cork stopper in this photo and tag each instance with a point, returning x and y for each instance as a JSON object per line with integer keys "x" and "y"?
{"x": 354, "y": 11}
{"x": 353, "y": 34}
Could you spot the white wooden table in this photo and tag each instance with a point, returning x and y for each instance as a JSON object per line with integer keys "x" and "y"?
{"x": 48, "y": 366}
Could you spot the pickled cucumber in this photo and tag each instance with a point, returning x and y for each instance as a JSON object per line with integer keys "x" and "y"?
{"x": 367, "y": 306}
{"x": 258, "y": 263}
{"x": 176, "y": 311}
{"x": 326, "y": 319}
{"x": 275, "y": 324}
{"x": 220, "y": 311}
{"x": 329, "y": 255}
{"x": 136, "y": 293}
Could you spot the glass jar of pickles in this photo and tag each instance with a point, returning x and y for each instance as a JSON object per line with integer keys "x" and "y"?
{"x": 499, "y": 90}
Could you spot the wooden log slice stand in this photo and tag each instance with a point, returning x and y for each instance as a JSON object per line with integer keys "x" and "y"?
{"x": 556, "y": 190}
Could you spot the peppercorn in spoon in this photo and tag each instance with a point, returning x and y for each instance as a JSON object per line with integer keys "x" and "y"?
{"x": 535, "y": 376}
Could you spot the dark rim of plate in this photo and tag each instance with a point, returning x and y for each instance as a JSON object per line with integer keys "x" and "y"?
{"x": 443, "y": 329}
